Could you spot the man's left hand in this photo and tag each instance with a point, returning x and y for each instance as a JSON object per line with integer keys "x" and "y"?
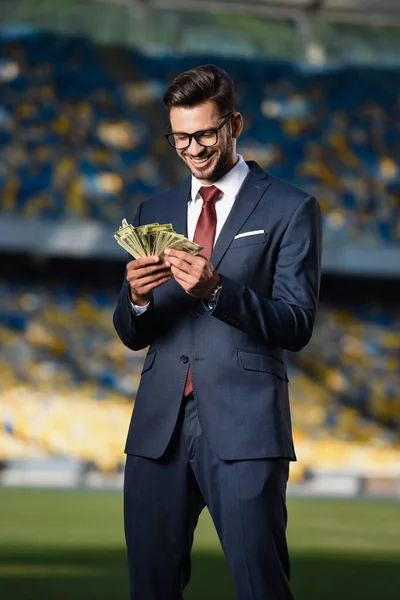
{"x": 195, "y": 274}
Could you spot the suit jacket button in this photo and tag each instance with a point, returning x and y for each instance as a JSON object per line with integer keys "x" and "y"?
{"x": 184, "y": 358}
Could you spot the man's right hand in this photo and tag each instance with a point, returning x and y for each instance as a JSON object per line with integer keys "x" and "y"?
{"x": 144, "y": 275}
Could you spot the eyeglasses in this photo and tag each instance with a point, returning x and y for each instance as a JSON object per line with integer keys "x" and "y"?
{"x": 206, "y": 137}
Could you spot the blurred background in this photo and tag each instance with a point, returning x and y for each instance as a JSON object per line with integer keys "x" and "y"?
{"x": 81, "y": 124}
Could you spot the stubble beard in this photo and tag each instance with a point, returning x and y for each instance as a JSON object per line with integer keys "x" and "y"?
{"x": 216, "y": 171}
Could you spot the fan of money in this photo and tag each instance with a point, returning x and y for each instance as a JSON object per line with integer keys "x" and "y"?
{"x": 152, "y": 240}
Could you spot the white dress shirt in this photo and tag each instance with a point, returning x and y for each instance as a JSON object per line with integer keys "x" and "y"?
{"x": 229, "y": 185}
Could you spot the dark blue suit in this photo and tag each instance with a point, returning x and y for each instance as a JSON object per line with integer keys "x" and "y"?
{"x": 230, "y": 446}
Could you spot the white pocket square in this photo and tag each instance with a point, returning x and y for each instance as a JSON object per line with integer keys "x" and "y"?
{"x": 246, "y": 233}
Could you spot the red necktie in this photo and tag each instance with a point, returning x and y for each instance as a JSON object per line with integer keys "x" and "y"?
{"x": 204, "y": 235}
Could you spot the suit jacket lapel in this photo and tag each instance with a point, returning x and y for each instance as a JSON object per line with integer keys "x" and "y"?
{"x": 246, "y": 201}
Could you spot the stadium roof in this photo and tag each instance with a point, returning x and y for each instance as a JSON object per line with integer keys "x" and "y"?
{"x": 369, "y": 11}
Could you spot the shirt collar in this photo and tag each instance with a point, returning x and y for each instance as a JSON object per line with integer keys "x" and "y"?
{"x": 229, "y": 184}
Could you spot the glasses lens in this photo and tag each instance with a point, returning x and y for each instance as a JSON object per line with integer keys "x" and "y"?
{"x": 207, "y": 138}
{"x": 179, "y": 141}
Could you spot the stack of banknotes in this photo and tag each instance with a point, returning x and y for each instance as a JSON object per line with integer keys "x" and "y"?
{"x": 152, "y": 240}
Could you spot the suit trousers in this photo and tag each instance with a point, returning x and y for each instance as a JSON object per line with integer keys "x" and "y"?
{"x": 163, "y": 499}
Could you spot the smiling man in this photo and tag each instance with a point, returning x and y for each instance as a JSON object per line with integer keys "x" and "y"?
{"x": 214, "y": 154}
{"x": 211, "y": 424}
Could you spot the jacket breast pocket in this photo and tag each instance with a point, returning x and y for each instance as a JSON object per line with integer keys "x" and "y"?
{"x": 148, "y": 361}
{"x": 250, "y": 361}
{"x": 248, "y": 240}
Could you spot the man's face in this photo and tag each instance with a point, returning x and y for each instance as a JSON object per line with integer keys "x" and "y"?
{"x": 208, "y": 164}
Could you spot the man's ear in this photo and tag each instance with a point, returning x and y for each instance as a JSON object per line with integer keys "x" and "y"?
{"x": 237, "y": 125}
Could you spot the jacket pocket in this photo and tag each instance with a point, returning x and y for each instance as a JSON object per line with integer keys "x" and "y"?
{"x": 248, "y": 240}
{"x": 148, "y": 361}
{"x": 262, "y": 363}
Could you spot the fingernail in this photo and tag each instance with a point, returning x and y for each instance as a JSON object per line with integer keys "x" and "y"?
{"x": 167, "y": 263}
{"x": 167, "y": 251}
{"x": 156, "y": 258}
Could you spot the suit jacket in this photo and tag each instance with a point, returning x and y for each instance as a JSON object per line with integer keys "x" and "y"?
{"x": 236, "y": 352}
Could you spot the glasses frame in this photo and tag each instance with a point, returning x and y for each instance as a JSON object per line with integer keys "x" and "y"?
{"x": 196, "y": 134}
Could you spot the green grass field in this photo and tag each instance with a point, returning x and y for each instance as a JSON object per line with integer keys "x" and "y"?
{"x": 57, "y": 545}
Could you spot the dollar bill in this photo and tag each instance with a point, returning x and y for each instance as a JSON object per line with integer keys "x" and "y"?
{"x": 151, "y": 233}
{"x": 187, "y": 246}
{"x": 129, "y": 237}
{"x": 152, "y": 239}
{"x": 129, "y": 246}
{"x": 166, "y": 239}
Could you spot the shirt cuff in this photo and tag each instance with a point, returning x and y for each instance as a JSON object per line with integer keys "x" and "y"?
{"x": 139, "y": 310}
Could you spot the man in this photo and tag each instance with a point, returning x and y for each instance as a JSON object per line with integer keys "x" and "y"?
{"x": 211, "y": 424}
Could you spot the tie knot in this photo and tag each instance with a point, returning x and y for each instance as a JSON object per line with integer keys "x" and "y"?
{"x": 209, "y": 193}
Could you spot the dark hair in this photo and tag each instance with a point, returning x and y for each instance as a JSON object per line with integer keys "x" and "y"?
{"x": 198, "y": 85}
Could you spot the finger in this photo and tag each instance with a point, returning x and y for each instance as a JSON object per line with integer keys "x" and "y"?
{"x": 146, "y": 281}
{"x": 180, "y": 264}
{"x": 149, "y": 288}
{"x": 185, "y": 256}
{"x": 183, "y": 277}
{"x": 145, "y": 267}
{"x": 182, "y": 283}
{"x": 149, "y": 282}
{"x": 144, "y": 261}
{"x": 194, "y": 262}
{"x": 147, "y": 271}
{"x": 186, "y": 285}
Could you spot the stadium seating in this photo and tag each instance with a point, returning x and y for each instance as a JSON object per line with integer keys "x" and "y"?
{"x": 355, "y": 354}
{"x": 81, "y": 138}
{"x": 65, "y": 378}
{"x": 67, "y": 383}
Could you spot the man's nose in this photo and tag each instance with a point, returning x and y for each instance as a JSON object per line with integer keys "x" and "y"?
{"x": 195, "y": 148}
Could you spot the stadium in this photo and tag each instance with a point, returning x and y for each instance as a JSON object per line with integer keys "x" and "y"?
{"x": 81, "y": 144}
